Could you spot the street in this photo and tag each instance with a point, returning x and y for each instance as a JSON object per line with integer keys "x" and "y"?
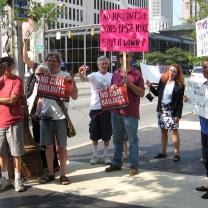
{"x": 79, "y": 110}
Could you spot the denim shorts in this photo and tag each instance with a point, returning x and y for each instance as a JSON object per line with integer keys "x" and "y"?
{"x": 53, "y": 132}
{"x": 12, "y": 140}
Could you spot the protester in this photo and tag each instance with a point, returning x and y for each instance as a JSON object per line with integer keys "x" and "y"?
{"x": 100, "y": 123}
{"x": 170, "y": 93}
{"x": 31, "y": 95}
{"x": 125, "y": 120}
{"x": 204, "y": 137}
{"x": 32, "y": 105}
{"x": 55, "y": 127}
{"x": 11, "y": 124}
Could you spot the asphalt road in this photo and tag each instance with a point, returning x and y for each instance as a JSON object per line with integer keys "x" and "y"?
{"x": 79, "y": 110}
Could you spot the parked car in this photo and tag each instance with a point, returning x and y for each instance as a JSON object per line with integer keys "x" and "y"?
{"x": 196, "y": 74}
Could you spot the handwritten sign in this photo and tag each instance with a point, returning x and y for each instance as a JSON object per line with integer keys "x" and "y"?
{"x": 197, "y": 96}
{"x": 124, "y": 30}
{"x": 54, "y": 87}
{"x": 202, "y": 37}
{"x": 114, "y": 98}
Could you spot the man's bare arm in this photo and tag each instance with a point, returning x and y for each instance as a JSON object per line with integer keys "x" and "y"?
{"x": 26, "y": 58}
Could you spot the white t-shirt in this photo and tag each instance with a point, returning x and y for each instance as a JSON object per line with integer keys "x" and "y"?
{"x": 167, "y": 94}
{"x": 98, "y": 81}
{"x": 50, "y": 107}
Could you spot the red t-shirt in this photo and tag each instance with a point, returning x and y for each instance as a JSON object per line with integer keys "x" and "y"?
{"x": 11, "y": 114}
{"x": 134, "y": 101}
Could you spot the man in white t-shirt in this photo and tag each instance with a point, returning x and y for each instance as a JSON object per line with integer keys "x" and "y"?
{"x": 100, "y": 124}
{"x": 53, "y": 122}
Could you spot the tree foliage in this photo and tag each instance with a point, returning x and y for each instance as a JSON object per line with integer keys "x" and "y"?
{"x": 171, "y": 56}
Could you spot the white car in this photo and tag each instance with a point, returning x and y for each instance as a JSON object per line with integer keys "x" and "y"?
{"x": 197, "y": 75}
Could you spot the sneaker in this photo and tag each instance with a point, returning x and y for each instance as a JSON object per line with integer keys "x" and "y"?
{"x": 202, "y": 188}
{"x": 133, "y": 171}
{"x": 18, "y": 185}
{"x": 4, "y": 183}
{"x": 94, "y": 160}
{"x": 112, "y": 168}
{"x": 205, "y": 196}
{"x": 176, "y": 158}
{"x": 64, "y": 180}
{"x": 46, "y": 179}
{"x": 160, "y": 156}
{"x": 107, "y": 160}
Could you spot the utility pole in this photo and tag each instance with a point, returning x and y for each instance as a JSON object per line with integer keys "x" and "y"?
{"x": 16, "y": 40}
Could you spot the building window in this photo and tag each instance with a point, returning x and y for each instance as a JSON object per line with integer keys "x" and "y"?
{"x": 98, "y": 18}
{"x": 66, "y": 12}
{"x": 74, "y": 15}
{"x": 95, "y": 19}
{"x": 66, "y": 25}
{"x": 70, "y": 13}
{"x": 77, "y": 2}
{"x": 81, "y": 15}
{"x": 77, "y": 14}
{"x": 94, "y": 4}
{"x": 62, "y": 25}
{"x": 81, "y": 3}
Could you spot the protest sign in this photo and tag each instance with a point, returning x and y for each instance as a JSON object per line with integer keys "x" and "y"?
{"x": 197, "y": 96}
{"x": 113, "y": 98}
{"x": 202, "y": 37}
{"x": 150, "y": 73}
{"x": 124, "y": 30}
{"x": 54, "y": 87}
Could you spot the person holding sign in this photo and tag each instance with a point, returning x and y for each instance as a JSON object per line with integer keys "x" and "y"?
{"x": 170, "y": 93}
{"x": 31, "y": 93}
{"x": 100, "y": 124}
{"x": 125, "y": 120}
{"x": 11, "y": 123}
{"x": 204, "y": 137}
{"x": 53, "y": 123}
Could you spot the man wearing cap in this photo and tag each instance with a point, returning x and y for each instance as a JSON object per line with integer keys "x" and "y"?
{"x": 11, "y": 123}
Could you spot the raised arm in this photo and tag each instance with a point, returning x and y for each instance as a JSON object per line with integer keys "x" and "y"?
{"x": 26, "y": 59}
{"x": 82, "y": 73}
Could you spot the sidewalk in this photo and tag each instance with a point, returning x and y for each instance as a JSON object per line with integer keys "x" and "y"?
{"x": 160, "y": 184}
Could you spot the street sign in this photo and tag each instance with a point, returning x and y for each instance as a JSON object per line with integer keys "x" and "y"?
{"x": 39, "y": 47}
{"x": 20, "y": 10}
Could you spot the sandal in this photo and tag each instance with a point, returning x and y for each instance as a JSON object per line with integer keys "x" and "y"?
{"x": 160, "y": 156}
{"x": 46, "y": 179}
{"x": 176, "y": 158}
{"x": 64, "y": 180}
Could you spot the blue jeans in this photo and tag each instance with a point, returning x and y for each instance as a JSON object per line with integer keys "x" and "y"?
{"x": 120, "y": 126}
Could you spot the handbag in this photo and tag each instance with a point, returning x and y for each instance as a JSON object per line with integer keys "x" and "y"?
{"x": 70, "y": 127}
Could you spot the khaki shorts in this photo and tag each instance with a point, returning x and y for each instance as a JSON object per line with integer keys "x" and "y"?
{"x": 12, "y": 140}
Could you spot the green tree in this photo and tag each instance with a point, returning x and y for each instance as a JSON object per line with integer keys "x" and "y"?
{"x": 171, "y": 56}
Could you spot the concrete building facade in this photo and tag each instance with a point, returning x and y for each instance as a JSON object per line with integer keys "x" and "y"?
{"x": 160, "y": 14}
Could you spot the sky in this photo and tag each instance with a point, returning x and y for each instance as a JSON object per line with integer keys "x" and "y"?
{"x": 177, "y": 11}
